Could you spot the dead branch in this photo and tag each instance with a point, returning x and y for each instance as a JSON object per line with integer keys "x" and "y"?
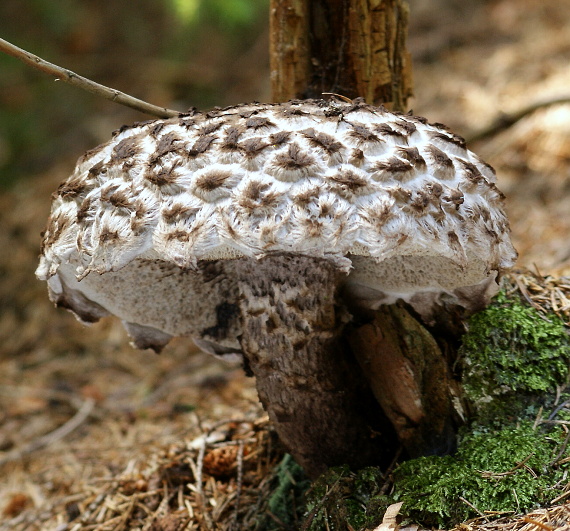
{"x": 72, "y": 78}
{"x": 504, "y": 121}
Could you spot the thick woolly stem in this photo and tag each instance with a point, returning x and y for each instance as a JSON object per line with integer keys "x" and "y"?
{"x": 310, "y": 385}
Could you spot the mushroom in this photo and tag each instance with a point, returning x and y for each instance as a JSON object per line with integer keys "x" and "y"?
{"x": 253, "y": 229}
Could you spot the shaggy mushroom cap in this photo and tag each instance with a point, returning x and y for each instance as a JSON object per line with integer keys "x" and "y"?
{"x": 149, "y": 224}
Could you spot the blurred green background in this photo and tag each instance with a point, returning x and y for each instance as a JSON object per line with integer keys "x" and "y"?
{"x": 173, "y": 53}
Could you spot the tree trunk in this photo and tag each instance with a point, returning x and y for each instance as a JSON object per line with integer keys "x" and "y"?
{"x": 355, "y": 48}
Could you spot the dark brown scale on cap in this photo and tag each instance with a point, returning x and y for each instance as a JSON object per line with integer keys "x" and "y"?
{"x": 356, "y": 157}
{"x": 418, "y": 119}
{"x": 143, "y": 123}
{"x": 201, "y": 145}
{"x": 255, "y": 195}
{"x": 281, "y": 137}
{"x": 140, "y": 209}
{"x": 443, "y": 165}
{"x": 494, "y": 190}
{"x": 163, "y": 176}
{"x": 393, "y": 168}
{"x": 214, "y": 113}
{"x": 179, "y": 235}
{"x": 313, "y": 227}
{"x": 407, "y": 127}
{"x": 213, "y": 179}
{"x": 364, "y": 135}
{"x": 83, "y": 210}
{"x": 70, "y": 188}
{"x": 434, "y": 189}
{"x": 359, "y": 104}
{"x": 484, "y": 212}
{"x": 252, "y": 147}
{"x": 413, "y": 156}
{"x": 442, "y": 127}
{"x": 349, "y": 181}
{"x": 294, "y": 158}
{"x": 248, "y": 114}
{"x": 178, "y": 212}
{"x": 56, "y": 226}
{"x": 378, "y": 216}
{"x": 456, "y": 140}
{"x": 120, "y": 200}
{"x": 420, "y": 201}
{"x": 326, "y": 208}
{"x": 321, "y": 140}
{"x": 401, "y": 195}
{"x": 292, "y": 112}
{"x": 108, "y": 236}
{"x": 167, "y": 144}
{"x": 259, "y": 122}
{"x": 187, "y": 123}
{"x": 486, "y": 165}
{"x": 97, "y": 169}
{"x": 156, "y": 129}
{"x": 137, "y": 224}
{"x": 209, "y": 128}
{"x": 472, "y": 174}
{"x": 302, "y": 199}
{"x": 454, "y": 241}
{"x": 386, "y": 130}
{"x": 230, "y": 141}
{"x": 455, "y": 197}
{"x": 493, "y": 234}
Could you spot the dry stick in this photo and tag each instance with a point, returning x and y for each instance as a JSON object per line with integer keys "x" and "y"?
{"x": 72, "y": 78}
{"x": 239, "y": 483}
{"x": 504, "y": 121}
{"x": 200, "y": 485}
{"x": 537, "y": 523}
{"x": 466, "y": 502}
{"x": 65, "y": 429}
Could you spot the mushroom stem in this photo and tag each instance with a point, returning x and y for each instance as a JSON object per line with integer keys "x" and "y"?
{"x": 307, "y": 380}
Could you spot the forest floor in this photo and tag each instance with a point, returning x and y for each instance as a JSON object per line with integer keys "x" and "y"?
{"x": 146, "y": 425}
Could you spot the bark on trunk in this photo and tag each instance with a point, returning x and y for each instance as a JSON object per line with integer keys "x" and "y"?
{"x": 409, "y": 377}
{"x": 355, "y": 48}
{"x": 307, "y": 380}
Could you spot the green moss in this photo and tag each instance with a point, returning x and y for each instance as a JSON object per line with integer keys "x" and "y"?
{"x": 508, "y": 470}
{"x": 510, "y": 348}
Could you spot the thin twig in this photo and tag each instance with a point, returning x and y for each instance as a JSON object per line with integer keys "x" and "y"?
{"x": 65, "y": 429}
{"x": 199, "y": 482}
{"x": 562, "y": 450}
{"x": 537, "y": 523}
{"x": 468, "y": 503}
{"x": 504, "y": 121}
{"x": 311, "y": 516}
{"x": 495, "y": 475}
{"x": 72, "y": 78}
{"x": 239, "y": 483}
{"x": 387, "y": 479}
